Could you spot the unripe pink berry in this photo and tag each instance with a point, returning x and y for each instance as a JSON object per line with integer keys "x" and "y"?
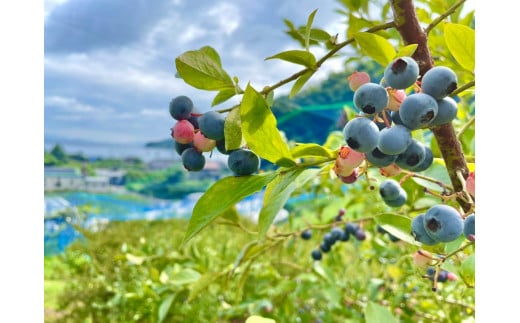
{"x": 347, "y": 160}
{"x": 202, "y": 143}
{"x": 350, "y": 178}
{"x": 422, "y": 258}
{"x": 470, "y": 183}
{"x": 183, "y": 132}
{"x": 395, "y": 98}
{"x": 357, "y": 79}
{"x": 452, "y": 276}
{"x": 390, "y": 170}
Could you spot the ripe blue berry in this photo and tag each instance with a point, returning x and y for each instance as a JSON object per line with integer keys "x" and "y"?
{"x": 192, "y": 160}
{"x": 316, "y": 254}
{"x": 361, "y": 134}
{"x": 390, "y": 189}
{"x": 413, "y": 156}
{"x": 443, "y": 223}
{"x": 426, "y": 163}
{"x": 401, "y": 73}
{"x": 325, "y": 247}
{"x": 306, "y": 234}
{"x": 351, "y": 228}
{"x": 379, "y": 159}
{"x": 329, "y": 238}
{"x": 336, "y": 233}
{"x": 398, "y": 201}
{"x": 211, "y": 124}
{"x": 439, "y": 82}
{"x": 181, "y": 107}
{"x": 371, "y": 98}
{"x": 243, "y": 162}
{"x": 345, "y": 236}
{"x": 418, "y": 110}
{"x": 360, "y": 234}
{"x": 394, "y": 140}
{"x": 419, "y": 232}
{"x": 179, "y": 148}
{"x": 469, "y": 227}
{"x": 447, "y": 111}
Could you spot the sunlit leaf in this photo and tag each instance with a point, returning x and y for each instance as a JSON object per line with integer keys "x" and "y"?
{"x": 223, "y": 96}
{"x": 300, "y": 82}
{"x": 164, "y": 308}
{"x": 222, "y": 195}
{"x": 375, "y": 46}
{"x": 260, "y": 132}
{"x": 202, "y": 69}
{"x": 233, "y": 130}
{"x": 375, "y": 313}
{"x": 300, "y": 57}
{"x": 311, "y": 150}
{"x": 460, "y": 40}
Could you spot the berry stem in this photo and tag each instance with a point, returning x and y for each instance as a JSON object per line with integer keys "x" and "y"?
{"x": 439, "y": 19}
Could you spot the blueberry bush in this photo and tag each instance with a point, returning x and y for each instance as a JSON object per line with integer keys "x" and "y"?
{"x": 410, "y": 137}
{"x": 381, "y": 215}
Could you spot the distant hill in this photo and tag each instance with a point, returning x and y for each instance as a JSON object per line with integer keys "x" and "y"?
{"x": 166, "y": 144}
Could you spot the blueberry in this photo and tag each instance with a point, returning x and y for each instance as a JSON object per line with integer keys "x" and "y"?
{"x": 413, "y": 156}
{"x": 371, "y": 98}
{"x": 211, "y": 124}
{"x": 336, "y": 233}
{"x": 393, "y": 238}
{"x": 419, "y": 232}
{"x": 329, "y": 238}
{"x": 181, "y": 107}
{"x": 443, "y": 223}
{"x": 390, "y": 189}
{"x": 361, "y": 134}
{"x": 380, "y": 229}
{"x": 439, "y": 82}
{"x": 194, "y": 121}
{"x": 397, "y": 202}
{"x": 418, "y": 110}
{"x": 360, "y": 234}
{"x": 306, "y": 234}
{"x": 394, "y": 140}
{"x": 379, "y": 159}
{"x": 179, "y": 148}
{"x": 401, "y": 73}
{"x": 193, "y": 160}
{"x": 426, "y": 163}
{"x": 243, "y": 162}
{"x": 441, "y": 277}
{"x": 325, "y": 247}
{"x": 469, "y": 227}
{"x": 316, "y": 254}
{"x": 351, "y": 228}
{"x": 345, "y": 236}
{"x": 447, "y": 112}
{"x": 221, "y": 147}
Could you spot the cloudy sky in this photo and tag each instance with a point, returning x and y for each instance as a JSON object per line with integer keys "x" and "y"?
{"x": 109, "y": 70}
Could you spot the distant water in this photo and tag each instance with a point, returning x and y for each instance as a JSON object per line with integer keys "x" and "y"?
{"x": 94, "y": 210}
{"x": 113, "y": 150}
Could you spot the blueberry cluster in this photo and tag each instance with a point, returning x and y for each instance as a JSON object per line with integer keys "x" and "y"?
{"x": 337, "y": 234}
{"x": 442, "y": 277}
{"x": 441, "y": 223}
{"x": 197, "y": 133}
{"x": 392, "y": 193}
{"x": 383, "y": 130}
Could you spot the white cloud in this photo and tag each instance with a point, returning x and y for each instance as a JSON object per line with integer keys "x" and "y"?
{"x": 70, "y": 104}
{"x": 226, "y": 16}
{"x": 50, "y": 5}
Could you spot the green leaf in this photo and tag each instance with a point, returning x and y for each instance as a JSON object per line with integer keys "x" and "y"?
{"x": 375, "y": 313}
{"x": 317, "y": 34}
{"x": 231, "y": 214}
{"x": 276, "y": 195}
{"x": 311, "y": 150}
{"x": 375, "y": 46}
{"x": 455, "y": 244}
{"x": 467, "y": 270}
{"x": 300, "y": 57}
{"x": 223, "y": 95}
{"x": 397, "y": 225}
{"x": 185, "y": 276}
{"x": 165, "y": 307}
{"x": 202, "y": 284}
{"x": 407, "y": 50}
{"x": 308, "y": 28}
{"x": 202, "y": 69}
{"x": 259, "y": 319}
{"x": 460, "y": 40}
{"x": 300, "y": 82}
{"x": 233, "y": 130}
{"x": 220, "y": 196}
{"x": 260, "y": 132}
